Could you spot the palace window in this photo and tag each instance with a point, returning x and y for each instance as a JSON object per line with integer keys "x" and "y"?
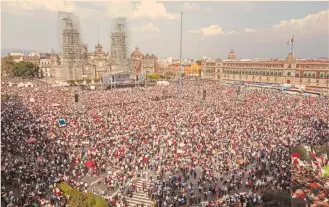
{"x": 271, "y": 72}
{"x": 313, "y": 75}
{"x": 275, "y": 73}
{"x": 305, "y": 74}
{"x": 280, "y": 73}
{"x": 297, "y": 74}
{"x": 309, "y": 74}
{"x": 327, "y": 75}
{"x": 289, "y": 73}
{"x": 321, "y": 75}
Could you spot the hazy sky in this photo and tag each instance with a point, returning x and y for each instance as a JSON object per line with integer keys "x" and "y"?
{"x": 252, "y": 29}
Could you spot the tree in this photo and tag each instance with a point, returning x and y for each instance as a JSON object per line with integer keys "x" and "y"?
{"x": 25, "y": 70}
{"x": 79, "y": 199}
{"x": 153, "y": 76}
{"x": 302, "y": 151}
{"x": 7, "y": 65}
{"x": 274, "y": 198}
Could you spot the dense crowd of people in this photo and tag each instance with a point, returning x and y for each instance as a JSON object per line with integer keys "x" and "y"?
{"x": 310, "y": 178}
{"x": 225, "y": 150}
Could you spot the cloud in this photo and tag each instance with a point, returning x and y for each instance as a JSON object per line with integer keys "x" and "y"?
{"x": 316, "y": 22}
{"x": 312, "y": 25}
{"x": 150, "y": 28}
{"x": 250, "y": 30}
{"x": 231, "y": 32}
{"x": 145, "y": 9}
{"x": 28, "y": 7}
{"x": 152, "y": 10}
{"x": 192, "y": 7}
{"x": 212, "y": 30}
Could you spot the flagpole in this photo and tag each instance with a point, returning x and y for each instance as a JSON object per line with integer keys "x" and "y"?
{"x": 180, "y": 58}
{"x": 292, "y": 43}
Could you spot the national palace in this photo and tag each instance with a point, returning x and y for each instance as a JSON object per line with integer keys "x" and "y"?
{"x": 304, "y": 72}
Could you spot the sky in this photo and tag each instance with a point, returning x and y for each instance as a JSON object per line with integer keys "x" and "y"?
{"x": 212, "y": 29}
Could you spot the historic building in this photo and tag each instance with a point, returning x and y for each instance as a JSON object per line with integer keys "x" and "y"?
{"x": 309, "y": 73}
{"x": 98, "y": 64}
{"x": 143, "y": 64}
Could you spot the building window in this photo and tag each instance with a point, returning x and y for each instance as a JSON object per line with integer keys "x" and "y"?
{"x": 308, "y": 80}
{"x": 305, "y": 74}
{"x": 328, "y": 75}
{"x": 297, "y": 74}
{"x": 289, "y": 73}
{"x": 280, "y": 73}
{"x": 309, "y": 74}
{"x": 313, "y": 75}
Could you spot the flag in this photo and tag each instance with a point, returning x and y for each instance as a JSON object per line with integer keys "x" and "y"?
{"x": 290, "y": 41}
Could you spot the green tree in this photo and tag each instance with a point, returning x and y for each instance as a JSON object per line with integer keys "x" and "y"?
{"x": 273, "y": 198}
{"x": 153, "y": 76}
{"x": 25, "y": 70}
{"x": 79, "y": 199}
{"x": 7, "y": 65}
{"x": 198, "y": 62}
{"x": 71, "y": 82}
{"x": 302, "y": 151}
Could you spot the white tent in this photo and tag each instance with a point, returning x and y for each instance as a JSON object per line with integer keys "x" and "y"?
{"x": 29, "y": 84}
{"x": 20, "y": 85}
{"x": 162, "y": 83}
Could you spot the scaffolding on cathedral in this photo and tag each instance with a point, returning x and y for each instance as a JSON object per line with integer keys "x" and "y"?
{"x": 120, "y": 39}
{"x": 71, "y": 46}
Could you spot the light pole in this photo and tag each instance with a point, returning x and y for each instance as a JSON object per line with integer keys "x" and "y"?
{"x": 180, "y": 57}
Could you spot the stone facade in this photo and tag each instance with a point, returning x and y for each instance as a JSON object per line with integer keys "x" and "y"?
{"x": 145, "y": 64}
{"x": 309, "y": 73}
{"x": 98, "y": 64}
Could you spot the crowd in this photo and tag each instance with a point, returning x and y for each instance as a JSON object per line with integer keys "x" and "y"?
{"x": 310, "y": 178}
{"x": 224, "y": 150}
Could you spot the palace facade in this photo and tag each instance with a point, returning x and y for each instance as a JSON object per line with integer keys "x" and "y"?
{"x": 309, "y": 73}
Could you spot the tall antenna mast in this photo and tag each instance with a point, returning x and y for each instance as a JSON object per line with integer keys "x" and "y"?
{"x": 97, "y": 35}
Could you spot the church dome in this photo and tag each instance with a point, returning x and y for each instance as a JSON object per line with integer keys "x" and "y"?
{"x": 136, "y": 53}
{"x": 231, "y": 55}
